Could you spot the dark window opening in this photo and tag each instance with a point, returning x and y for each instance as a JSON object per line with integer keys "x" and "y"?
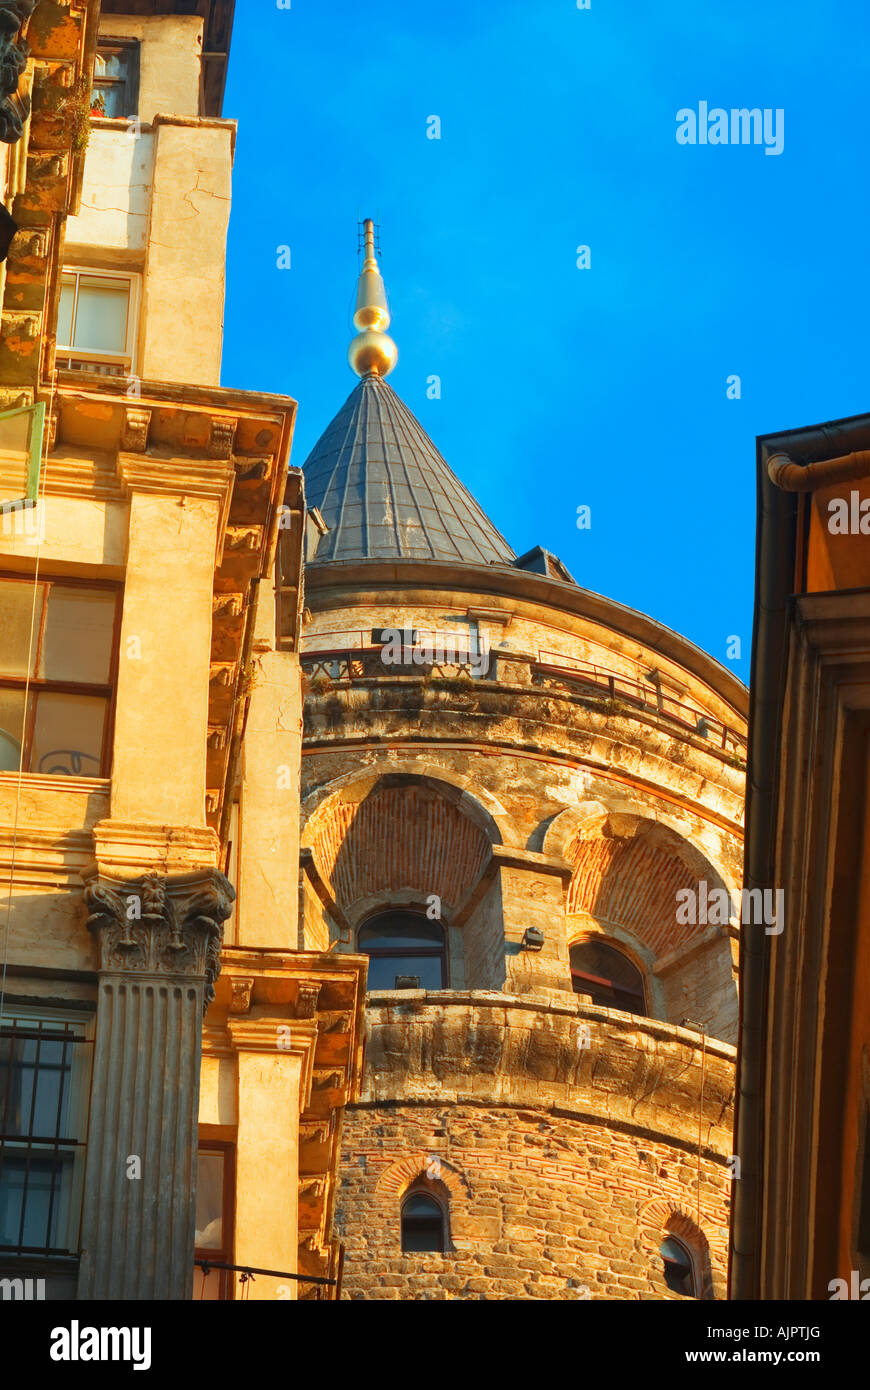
{"x": 115, "y": 91}
{"x": 608, "y": 976}
{"x": 404, "y": 947}
{"x": 423, "y": 1224}
{"x": 37, "y": 1139}
{"x": 679, "y": 1271}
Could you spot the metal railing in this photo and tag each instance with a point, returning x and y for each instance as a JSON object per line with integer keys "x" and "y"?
{"x": 614, "y": 685}
{"x": 343, "y": 665}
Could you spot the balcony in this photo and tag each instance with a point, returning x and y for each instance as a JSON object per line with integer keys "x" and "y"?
{"x": 550, "y": 673}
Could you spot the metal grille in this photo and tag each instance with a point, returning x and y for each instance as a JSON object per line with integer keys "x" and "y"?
{"x": 36, "y": 1151}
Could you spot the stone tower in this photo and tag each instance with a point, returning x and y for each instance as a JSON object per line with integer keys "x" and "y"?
{"x": 518, "y": 799}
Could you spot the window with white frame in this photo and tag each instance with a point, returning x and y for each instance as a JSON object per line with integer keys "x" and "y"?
{"x": 96, "y": 322}
{"x": 44, "y": 1069}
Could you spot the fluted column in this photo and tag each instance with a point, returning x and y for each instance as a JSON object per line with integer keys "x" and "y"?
{"x": 159, "y": 941}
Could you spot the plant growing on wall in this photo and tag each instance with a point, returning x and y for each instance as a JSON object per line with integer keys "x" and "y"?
{"x": 76, "y": 111}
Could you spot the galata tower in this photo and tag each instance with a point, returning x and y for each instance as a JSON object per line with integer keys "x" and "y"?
{"x": 523, "y": 802}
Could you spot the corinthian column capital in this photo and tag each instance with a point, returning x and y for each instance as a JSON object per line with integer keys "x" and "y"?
{"x": 161, "y": 926}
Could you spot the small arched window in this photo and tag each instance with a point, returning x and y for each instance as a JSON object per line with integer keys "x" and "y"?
{"x": 679, "y": 1267}
{"x": 406, "y": 951}
{"x": 424, "y": 1223}
{"x": 607, "y": 975}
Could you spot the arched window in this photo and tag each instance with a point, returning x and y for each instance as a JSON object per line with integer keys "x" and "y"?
{"x": 405, "y": 950}
{"x": 424, "y": 1223}
{"x": 609, "y": 976}
{"x": 679, "y": 1269}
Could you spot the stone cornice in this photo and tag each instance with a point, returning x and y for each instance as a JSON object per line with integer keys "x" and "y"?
{"x": 176, "y": 476}
{"x": 200, "y": 123}
{"x": 836, "y": 625}
{"x": 209, "y": 479}
{"x": 34, "y": 782}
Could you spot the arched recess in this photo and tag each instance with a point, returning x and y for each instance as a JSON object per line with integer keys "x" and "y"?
{"x": 402, "y": 840}
{"x": 476, "y": 801}
{"x": 405, "y": 834}
{"x": 632, "y": 878}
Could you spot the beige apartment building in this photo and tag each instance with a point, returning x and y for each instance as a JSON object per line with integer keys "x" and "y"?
{"x": 172, "y": 1066}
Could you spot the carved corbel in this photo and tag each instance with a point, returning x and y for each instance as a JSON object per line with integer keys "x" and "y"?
{"x": 134, "y": 434}
{"x": 223, "y": 437}
{"x": 240, "y": 996}
{"x": 307, "y": 996}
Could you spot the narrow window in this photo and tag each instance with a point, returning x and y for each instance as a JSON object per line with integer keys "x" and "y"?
{"x": 42, "y": 1098}
{"x": 115, "y": 91}
{"x": 405, "y": 950}
{"x": 214, "y": 1220}
{"x": 57, "y": 673}
{"x": 679, "y": 1270}
{"x": 607, "y": 975}
{"x": 423, "y": 1223}
{"x": 96, "y": 321}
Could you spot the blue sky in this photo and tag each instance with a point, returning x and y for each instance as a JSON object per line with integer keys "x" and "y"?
{"x": 563, "y": 387}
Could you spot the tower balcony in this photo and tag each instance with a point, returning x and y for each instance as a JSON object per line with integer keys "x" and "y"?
{"x": 560, "y": 1055}
{"x": 551, "y": 687}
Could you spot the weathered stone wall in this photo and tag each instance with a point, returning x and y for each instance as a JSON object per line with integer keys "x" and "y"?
{"x": 565, "y": 1136}
{"x": 483, "y": 939}
{"x": 703, "y": 988}
{"x": 541, "y": 1206}
{"x": 568, "y": 1140}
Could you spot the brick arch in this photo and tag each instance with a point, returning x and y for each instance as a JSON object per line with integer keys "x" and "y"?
{"x": 476, "y": 801}
{"x": 627, "y": 870}
{"x": 402, "y": 835}
{"x": 663, "y": 1218}
{"x": 395, "y": 1180}
{"x": 671, "y": 1218}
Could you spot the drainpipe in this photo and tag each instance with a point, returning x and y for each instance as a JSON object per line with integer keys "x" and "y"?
{"x": 794, "y": 477}
{"x": 774, "y": 581}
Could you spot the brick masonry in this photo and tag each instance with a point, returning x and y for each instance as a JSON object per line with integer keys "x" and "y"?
{"x": 540, "y": 1207}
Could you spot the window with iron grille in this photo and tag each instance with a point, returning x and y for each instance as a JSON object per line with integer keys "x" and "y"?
{"x": 43, "y": 1064}
{"x": 58, "y": 663}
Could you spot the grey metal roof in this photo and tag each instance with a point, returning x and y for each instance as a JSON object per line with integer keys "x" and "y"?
{"x": 385, "y": 492}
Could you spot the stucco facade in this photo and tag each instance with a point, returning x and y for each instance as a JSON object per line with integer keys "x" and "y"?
{"x": 200, "y": 1062}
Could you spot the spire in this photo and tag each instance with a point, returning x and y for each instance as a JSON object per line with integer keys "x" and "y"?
{"x": 381, "y": 486}
{"x": 385, "y": 492}
{"x": 372, "y": 352}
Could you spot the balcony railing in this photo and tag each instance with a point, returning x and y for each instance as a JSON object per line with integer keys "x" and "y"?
{"x": 342, "y": 665}
{"x": 614, "y": 685}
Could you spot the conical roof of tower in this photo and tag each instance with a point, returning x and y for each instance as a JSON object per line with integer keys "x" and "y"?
{"x": 385, "y": 492}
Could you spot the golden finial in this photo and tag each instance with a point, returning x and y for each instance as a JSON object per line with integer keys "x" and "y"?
{"x": 372, "y": 351}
